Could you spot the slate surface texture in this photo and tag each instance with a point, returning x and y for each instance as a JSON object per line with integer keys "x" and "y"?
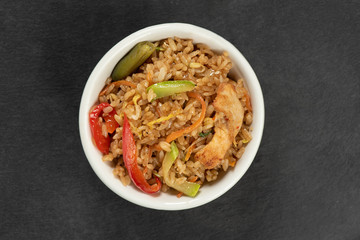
{"x": 304, "y": 182}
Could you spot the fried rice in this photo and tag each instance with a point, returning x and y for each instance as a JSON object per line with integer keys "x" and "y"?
{"x": 152, "y": 121}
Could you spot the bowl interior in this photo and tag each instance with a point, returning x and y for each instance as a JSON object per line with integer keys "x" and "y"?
{"x": 103, "y": 69}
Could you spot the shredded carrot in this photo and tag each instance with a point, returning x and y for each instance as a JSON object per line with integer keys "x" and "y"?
{"x": 156, "y": 147}
{"x": 232, "y": 164}
{"x": 126, "y": 83}
{"x": 179, "y": 133}
{"x": 248, "y": 102}
{"x": 149, "y": 78}
{"x": 116, "y": 84}
{"x": 193, "y": 179}
{"x": 179, "y": 194}
{"x": 188, "y": 153}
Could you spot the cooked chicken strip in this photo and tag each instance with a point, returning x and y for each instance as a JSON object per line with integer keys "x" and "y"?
{"x": 226, "y": 102}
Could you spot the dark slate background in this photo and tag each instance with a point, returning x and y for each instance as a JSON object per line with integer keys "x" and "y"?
{"x": 304, "y": 182}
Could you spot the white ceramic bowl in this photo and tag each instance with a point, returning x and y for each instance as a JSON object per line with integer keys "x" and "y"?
{"x": 103, "y": 69}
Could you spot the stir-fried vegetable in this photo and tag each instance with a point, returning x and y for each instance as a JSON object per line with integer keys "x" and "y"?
{"x": 132, "y": 60}
{"x": 179, "y": 133}
{"x": 102, "y": 142}
{"x": 168, "y": 88}
{"x": 110, "y": 122}
{"x": 188, "y": 188}
{"x": 116, "y": 84}
{"x": 189, "y": 151}
{"x": 232, "y": 163}
{"x": 130, "y": 160}
{"x": 192, "y": 179}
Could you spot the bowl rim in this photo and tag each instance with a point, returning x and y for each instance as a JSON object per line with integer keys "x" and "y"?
{"x": 124, "y": 45}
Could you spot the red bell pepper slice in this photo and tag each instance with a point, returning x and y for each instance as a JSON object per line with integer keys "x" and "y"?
{"x": 130, "y": 160}
{"x": 110, "y": 122}
{"x": 102, "y": 143}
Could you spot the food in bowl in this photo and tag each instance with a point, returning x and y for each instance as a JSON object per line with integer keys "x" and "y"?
{"x": 170, "y": 117}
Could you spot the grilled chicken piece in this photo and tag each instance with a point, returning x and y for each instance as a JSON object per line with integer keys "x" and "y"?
{"x": 226, "y": 102}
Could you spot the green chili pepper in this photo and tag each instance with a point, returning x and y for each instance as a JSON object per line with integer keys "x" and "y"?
{"x": 168, "y": 88}
{"x": 188, "y": 188}
{"x": 132, "y": 60}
